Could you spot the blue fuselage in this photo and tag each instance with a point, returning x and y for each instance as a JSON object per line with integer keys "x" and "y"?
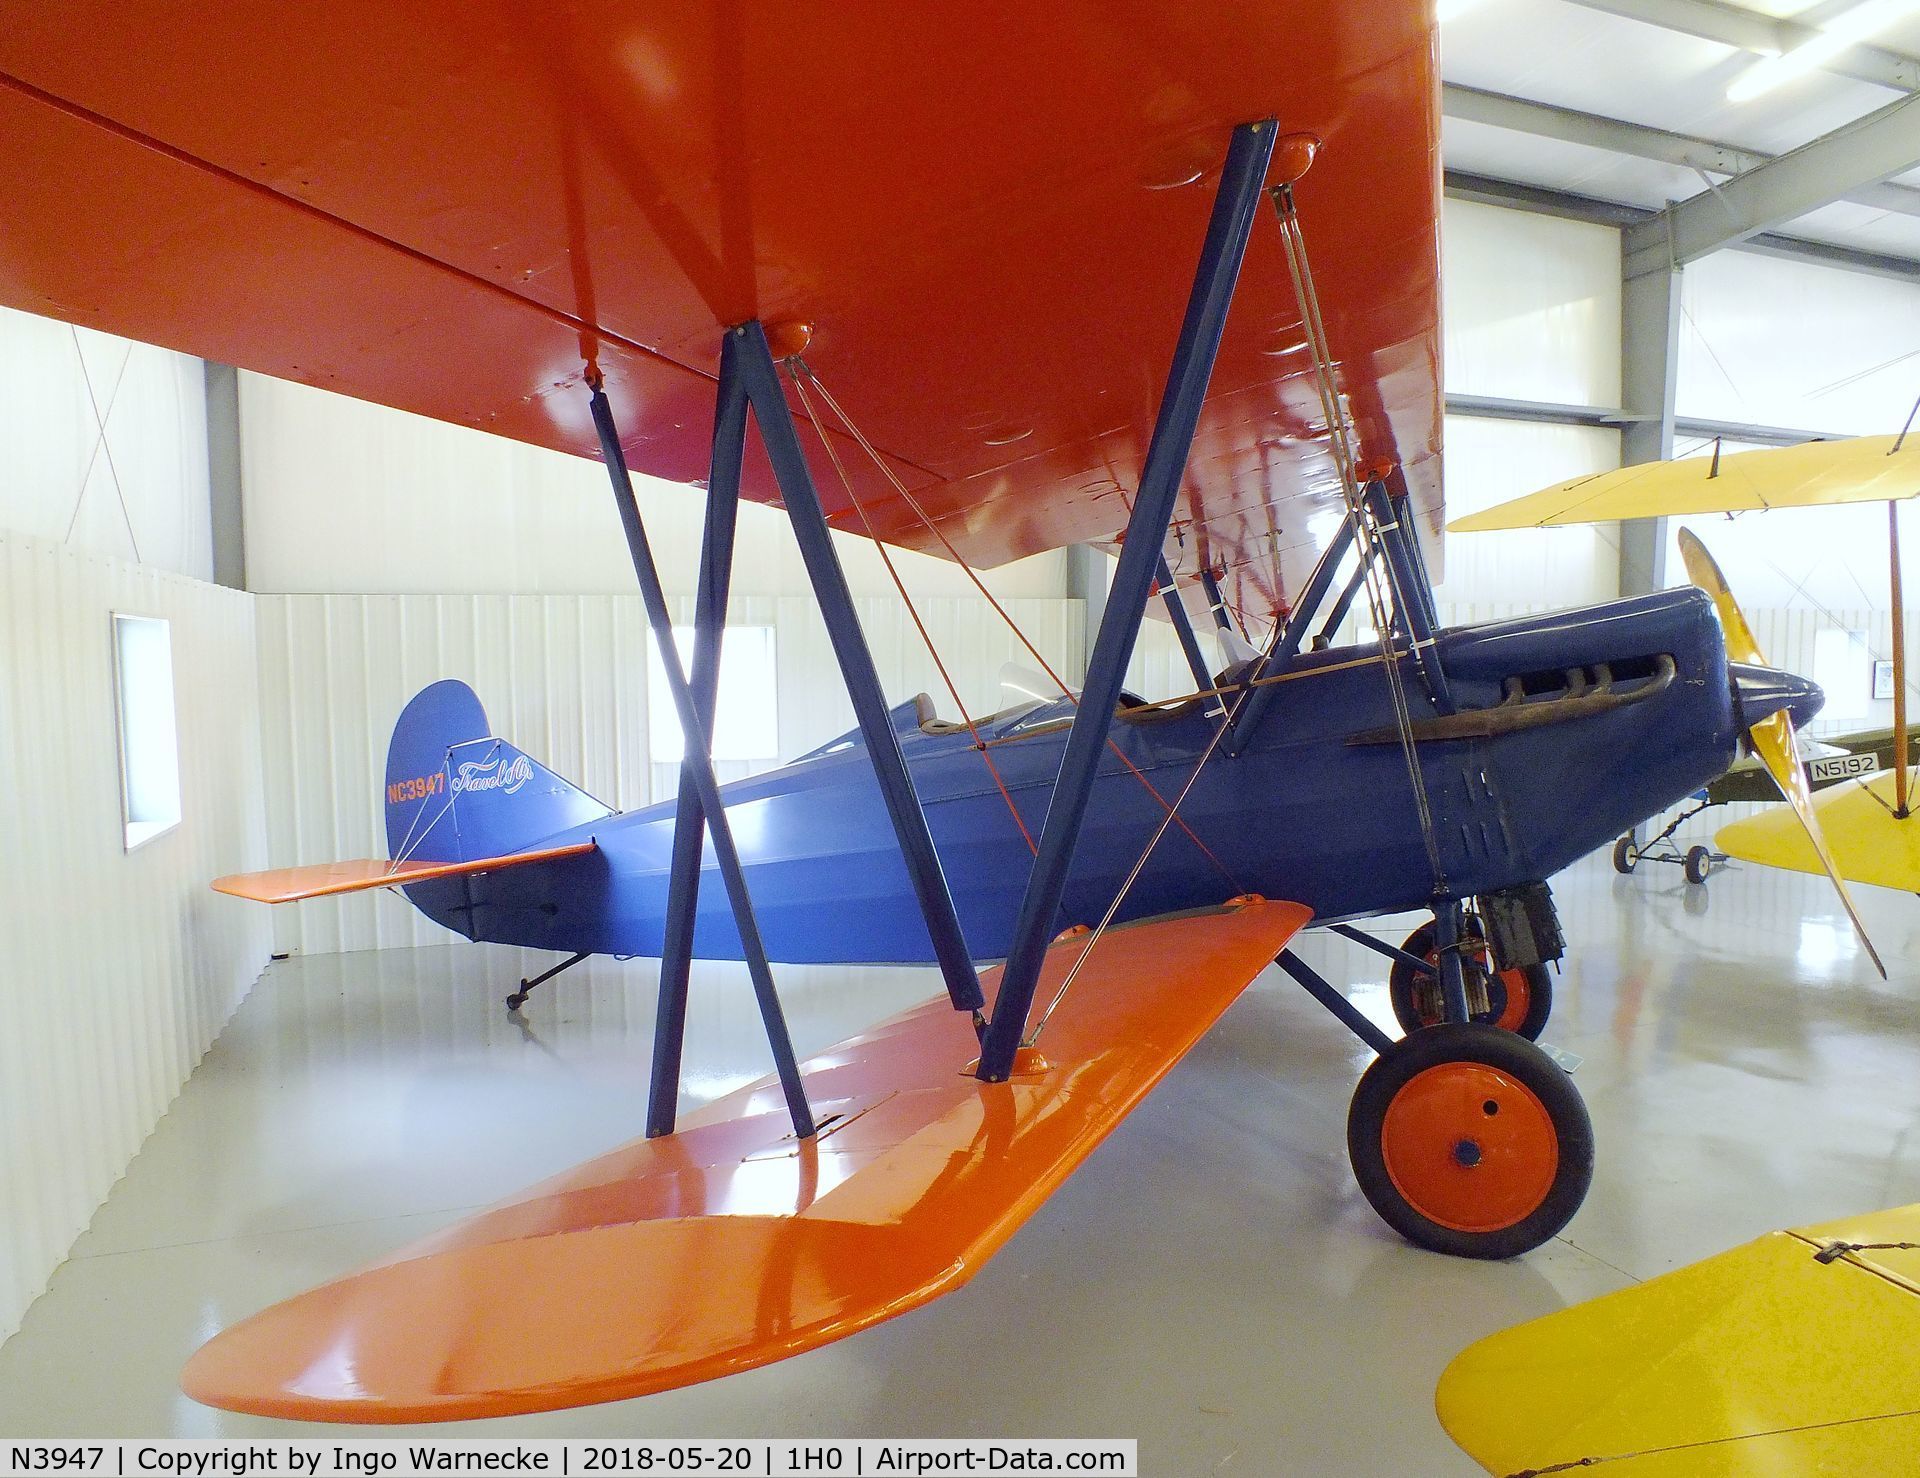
{"x": 1627, "y": 709}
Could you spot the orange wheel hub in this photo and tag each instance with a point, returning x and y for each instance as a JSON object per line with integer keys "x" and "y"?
{"x": 1470, "y": 1148}
{"x": 1514, "y": 982}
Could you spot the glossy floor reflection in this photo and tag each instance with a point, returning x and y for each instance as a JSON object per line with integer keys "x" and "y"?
{"x": 1211, "y": 1282}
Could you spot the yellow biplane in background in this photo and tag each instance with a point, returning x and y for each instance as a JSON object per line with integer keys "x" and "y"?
{"x": 1800, "y": 1351}
{"x": 1866, "y": 821}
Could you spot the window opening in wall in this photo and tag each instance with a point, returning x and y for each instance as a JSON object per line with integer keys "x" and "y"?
{"x": 1843, "y": 666}
{"x": 149, "y": 735}
{"x": 747, "y": 717}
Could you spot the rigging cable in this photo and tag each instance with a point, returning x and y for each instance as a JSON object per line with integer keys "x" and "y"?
{"x": 408, "y": 843}
{"x": 1294, "y": 239}
{"x": 800, "y": 384}
{"x": 914, "y": 505}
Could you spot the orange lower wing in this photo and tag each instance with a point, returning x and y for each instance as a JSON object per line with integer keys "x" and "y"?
{"x": 730, "y": 1244}
{"x": 324, "y": 879}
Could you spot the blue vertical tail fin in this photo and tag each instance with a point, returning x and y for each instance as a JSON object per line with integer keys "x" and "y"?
{"x": 456, "y": 792}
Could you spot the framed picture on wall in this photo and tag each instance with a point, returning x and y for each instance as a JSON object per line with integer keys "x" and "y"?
{"x": 1883, "y": 679}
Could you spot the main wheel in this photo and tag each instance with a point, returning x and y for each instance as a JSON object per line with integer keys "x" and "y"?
{"x": 1624, "y": 857}
{"x": 1698, "y": 863}
{"x": 1470, "y": 1140}
{"x": 1518, "y": 1000}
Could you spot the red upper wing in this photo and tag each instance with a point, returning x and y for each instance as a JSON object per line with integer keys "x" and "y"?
{"x": 443, "y": 207}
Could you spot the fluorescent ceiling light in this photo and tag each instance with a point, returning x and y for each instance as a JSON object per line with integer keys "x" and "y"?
{"x": 1835, "y": 36}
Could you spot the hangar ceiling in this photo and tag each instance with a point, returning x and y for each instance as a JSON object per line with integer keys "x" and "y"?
{"x": 1643, "y": 106}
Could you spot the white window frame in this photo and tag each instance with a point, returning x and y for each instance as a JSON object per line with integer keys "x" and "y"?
{"x": 145, "y": 822}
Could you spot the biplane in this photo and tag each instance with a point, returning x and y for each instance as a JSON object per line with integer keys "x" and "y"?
{"x": 626, "y": 233}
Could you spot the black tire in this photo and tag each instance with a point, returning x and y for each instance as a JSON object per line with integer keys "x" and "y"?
{"x": 1414, "y": 994}
{"x": 1624, "y": 860}
{"x": 1537, "y": 1164}
{"x": 1698, "y": 863}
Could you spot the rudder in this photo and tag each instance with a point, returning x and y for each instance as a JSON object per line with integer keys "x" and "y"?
{"x": 456, "y": 793}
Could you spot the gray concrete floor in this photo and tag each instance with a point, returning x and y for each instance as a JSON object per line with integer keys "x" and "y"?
{"x": 1211, "y": 1282}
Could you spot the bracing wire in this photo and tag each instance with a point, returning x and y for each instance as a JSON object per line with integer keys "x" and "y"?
{"x": 1300, "y": 269}
{"x": 1220, "y": 732}
{"x": 967, "y": 569}
{"x": 409, "y": 843}
{"x": 846, "y": 483}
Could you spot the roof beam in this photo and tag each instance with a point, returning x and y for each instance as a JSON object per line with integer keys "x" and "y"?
{"x": 1548, "y": 412}
{"x": 1763, "y": 35}
{"x": 1541, "y": 200}
{"x": 1636, "y": 141}
{"x": 1864, "y": 152}
{"x": 1612, "y": 418}
{"x": 1544, "y": 120}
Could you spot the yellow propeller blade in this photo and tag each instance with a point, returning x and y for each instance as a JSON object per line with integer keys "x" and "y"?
{"x": 1704, "y": 571}
{"x": 1773, "y": 736}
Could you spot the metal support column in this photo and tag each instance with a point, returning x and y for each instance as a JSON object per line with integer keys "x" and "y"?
{"x": 1234, "y": 206}
{"x": 1177, "y": 613}
{"x": 1087, "y": 572}
{"x": 698, "y": 763}
{"x": 1400, "y": 506}
{"x": 689, "y": 822}
{"x": 1649, "y": 360}
{"x": 775, "y": 420}
{"x": 1287, "y": 643}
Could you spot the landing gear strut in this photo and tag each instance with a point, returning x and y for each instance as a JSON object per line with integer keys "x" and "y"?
{"x": 519, "y": 997}
{"x": 1696, "y": 864}
{"x": 1515, "y": 1000}
{"x": 1465, "y": 1137}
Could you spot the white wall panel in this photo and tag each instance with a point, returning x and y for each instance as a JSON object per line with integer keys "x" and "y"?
{"x": 1776, "y": 341}
{"x": 1532, "y": 306}
{"x": 565, "y": 678}
{"x": 138, "y": 492}
{"x": 1821, "y": 558}
{"x": 121, "y": 967}
{"x": 1491, "y": 461}
{"x": 345, "y": 496}
{"x": 1790, "y": 637}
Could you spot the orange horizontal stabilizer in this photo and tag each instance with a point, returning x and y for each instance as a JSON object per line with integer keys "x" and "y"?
{"x": 324, "y": 879}
{"x": 731, "y": 1244}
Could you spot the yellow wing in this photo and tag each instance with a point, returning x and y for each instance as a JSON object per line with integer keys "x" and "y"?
{"x": 1791, "y": 1354}
{"x": 1865, "y": 469}
{"x": 1868, "y": 842}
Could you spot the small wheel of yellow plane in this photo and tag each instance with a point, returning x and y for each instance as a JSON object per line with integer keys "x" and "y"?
{"x": 978, "y": 222}
{"x": 1825, "y": 762}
